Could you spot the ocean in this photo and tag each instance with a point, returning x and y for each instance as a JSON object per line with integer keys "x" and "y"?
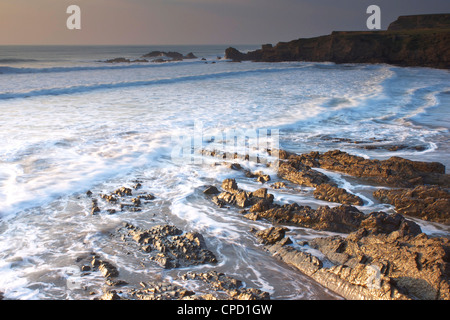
{"x": 69, "y": 123}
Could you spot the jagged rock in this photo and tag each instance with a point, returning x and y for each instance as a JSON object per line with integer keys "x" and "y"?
{"x": 416, "y": 265}
{"x": 429, "y": 203}
{"x": 125, "y": 60}
{"x": 190, "y": 55}
{"x": 343, "y": 219}
{"x": 108, "y": 198}
{"x": 211, "y": 190}
{"x": 95, "y": 210}
{"x": 259, "y": 175}
{"x": 296, "y": 172}
{"x": 230, "y": 185}
{"x": 271, "y": 235}
{"x": 279, "y": 185}
{"x": 233, "y": 287}
{"x": 396, "y": 171}
{"x": 108, "y": 270}
{"x": 393, "y": 263}
{"x": 170, "y": 247}
{"x": 242, "y": 199}
{"x": 111, "y": 295}
{"x": 123, "y": 191}
{"x": 331, "y": 193}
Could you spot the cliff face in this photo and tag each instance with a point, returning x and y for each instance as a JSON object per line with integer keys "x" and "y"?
{"x": 405, "y": 47}
{"x": 424, "y": 21}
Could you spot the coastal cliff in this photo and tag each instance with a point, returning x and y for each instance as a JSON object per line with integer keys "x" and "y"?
{"x": 422, "y": 40}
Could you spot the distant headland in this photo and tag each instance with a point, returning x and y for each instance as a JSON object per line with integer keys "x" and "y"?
{"x": 419, "y": 40}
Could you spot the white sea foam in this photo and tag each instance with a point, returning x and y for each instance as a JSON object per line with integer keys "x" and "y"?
{"x": 70, "y": 127}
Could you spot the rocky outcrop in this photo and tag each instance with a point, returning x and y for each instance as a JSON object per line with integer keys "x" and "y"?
{"x": 240, "y": 198}
{"x": 170, "y": 247}
{"x": 125, "y": 60}
{"x": 222, "y": 287}
{"x": 119, "y": 201}
{"x": 95, "y": 263}
{"x": 172, "y": 55}
{"x": 232, "y": 287}
{"x": 343, "y": 219}
{"x": 430, "y": 203}
{"x": 423, "y": 21}
{"x": 398, "y": 46}
{"x": 298, "y": 173}
{"x": 387, "y": 259}
{"x": 331, "y": 193}
{"x": 394, "y": 172}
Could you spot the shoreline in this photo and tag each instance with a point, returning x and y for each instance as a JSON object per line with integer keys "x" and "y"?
{"x": 367, "y": 261}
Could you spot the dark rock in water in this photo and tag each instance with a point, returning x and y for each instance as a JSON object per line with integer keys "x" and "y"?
{"x": 174, "y": 56}
{"x": 123, "y": 192}
{"x": 108, "y": 270}
{"x": 109, "y": 198}
{"x": 259, "y": 175}
{"x": 429, "y": 203}
{"x": 334, "y": 194}
{"x": 190, "y": 55}
{"x": 95, "y": 210}
{"x": 118, "y": 60}
{"x": 234, "y": 54}
{"x": 154, "y": 54}
{"x": 230, "y": 185}
{"x": 170, "y": 247}
{"x": 242, "y": 199}
{"x": 125, "y": 60}
{"x": 211, "y": 190}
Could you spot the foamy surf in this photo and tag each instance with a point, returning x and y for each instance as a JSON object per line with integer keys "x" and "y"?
{"x": 73, "y": 127}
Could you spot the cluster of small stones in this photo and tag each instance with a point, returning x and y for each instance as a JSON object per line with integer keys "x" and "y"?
{"x": 132, "y": 204}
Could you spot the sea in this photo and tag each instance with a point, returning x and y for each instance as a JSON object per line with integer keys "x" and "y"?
{"x": 71, "y": 123}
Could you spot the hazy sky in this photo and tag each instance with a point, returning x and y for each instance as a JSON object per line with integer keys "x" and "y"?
{"x": 194, "y": 21}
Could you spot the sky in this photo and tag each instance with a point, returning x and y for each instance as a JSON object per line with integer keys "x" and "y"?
{"x": 171, "y": 22}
